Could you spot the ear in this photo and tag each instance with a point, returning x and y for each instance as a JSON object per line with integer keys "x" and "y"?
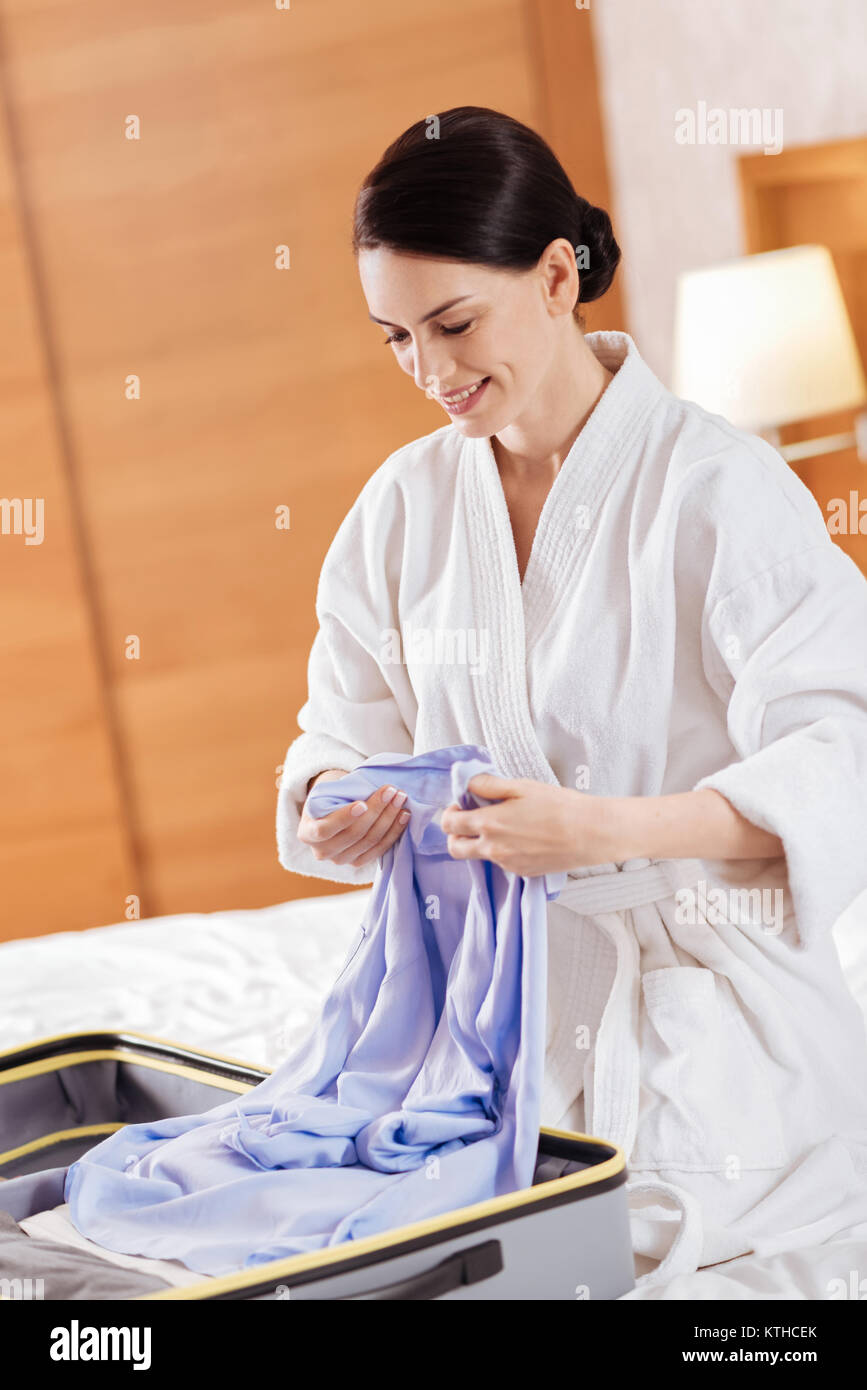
{"x": 560, "y": 279}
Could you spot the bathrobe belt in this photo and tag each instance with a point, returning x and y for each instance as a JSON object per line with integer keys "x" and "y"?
{"x": 611, "y": 1111}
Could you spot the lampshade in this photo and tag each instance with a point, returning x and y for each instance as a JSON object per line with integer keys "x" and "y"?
{"x": 766, "y": 340}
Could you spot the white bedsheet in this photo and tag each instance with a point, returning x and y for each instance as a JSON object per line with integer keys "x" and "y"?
{"x": 249, "y": 983}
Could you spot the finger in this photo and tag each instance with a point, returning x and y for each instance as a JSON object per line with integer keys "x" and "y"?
{"x": 488, "y": 785}
{"x": 386, "y": 799}
{"x": 375, "y": 832}
{"x": 317, "y": 830}
{"x": 385, "y": 844}
{"x": 462, "y": 847}
{"x": 347, "y": 822}
{"x": 457, "y": 822}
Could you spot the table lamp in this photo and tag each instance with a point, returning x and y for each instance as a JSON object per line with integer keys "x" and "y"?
{"x": 766, "y": 341}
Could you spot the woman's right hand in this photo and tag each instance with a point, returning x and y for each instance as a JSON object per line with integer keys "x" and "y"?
{"x": 358, "y": 832}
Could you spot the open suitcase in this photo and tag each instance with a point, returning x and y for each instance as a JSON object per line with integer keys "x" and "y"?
{"x": 565, "y": 1237}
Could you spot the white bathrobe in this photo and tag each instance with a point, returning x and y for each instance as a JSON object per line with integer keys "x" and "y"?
{"x": 685, "y": 621}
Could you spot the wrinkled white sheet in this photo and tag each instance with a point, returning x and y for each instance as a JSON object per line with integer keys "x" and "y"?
{"x": 249, "y": 983}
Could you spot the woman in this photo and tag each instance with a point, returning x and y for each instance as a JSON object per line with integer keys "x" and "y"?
{"x": 637, "y": 609}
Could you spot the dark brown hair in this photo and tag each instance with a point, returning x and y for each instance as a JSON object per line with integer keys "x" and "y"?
{"x": 476, "y": 185}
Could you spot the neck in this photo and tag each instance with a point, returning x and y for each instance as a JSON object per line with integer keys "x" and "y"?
{"x": 534, "y": 446}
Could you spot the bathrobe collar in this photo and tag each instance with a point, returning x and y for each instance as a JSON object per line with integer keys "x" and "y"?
{"x": 514, "y": 615}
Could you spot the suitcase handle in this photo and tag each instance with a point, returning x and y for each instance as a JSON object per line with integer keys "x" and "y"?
{"x": 465, "y": 1267}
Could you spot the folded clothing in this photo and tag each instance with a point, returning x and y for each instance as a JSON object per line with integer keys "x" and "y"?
{"x": 55, "y": 1225}
{"x": 65, "y": 1272}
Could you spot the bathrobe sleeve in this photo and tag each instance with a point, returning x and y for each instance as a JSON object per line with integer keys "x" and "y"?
{"x": 786, "y": 649}
{"x": 358, "y": 704}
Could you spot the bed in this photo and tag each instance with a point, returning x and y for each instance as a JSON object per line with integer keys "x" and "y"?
{"x": 249, "y": 984}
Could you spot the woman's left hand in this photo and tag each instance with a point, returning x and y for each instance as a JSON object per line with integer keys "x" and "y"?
{"x": 536, "y": 828}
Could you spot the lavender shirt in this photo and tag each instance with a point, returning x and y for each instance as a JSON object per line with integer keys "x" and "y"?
{"x": 417, "y": 1092}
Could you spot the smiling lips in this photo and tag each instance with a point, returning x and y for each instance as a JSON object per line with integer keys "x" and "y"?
{"x": 457, "y": 402}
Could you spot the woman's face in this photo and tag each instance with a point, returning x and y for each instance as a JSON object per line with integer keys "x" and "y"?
{"x": 454, "y": 326}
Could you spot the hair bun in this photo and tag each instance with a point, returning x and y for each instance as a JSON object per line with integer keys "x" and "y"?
{"x": 603, "y": 253}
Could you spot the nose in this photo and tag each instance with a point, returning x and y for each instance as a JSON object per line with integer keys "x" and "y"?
{"x": 433, "y": 365}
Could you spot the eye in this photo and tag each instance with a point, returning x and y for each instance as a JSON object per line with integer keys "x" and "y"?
{"x": 401, "y": 337}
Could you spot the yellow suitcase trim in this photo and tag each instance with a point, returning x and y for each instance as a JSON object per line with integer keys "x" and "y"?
{"x": 275, "y": 1271}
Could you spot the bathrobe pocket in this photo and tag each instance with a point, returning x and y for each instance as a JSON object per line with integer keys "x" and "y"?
{"x": 706, "y": 1102}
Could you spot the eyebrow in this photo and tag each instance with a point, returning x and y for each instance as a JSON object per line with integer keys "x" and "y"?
{"x": 432, "y": 315}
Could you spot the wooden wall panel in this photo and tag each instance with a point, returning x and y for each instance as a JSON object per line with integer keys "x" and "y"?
{"x": 66, "y": 855}
{"x": 570, "y": 117}
{"x": 259, "y": 387}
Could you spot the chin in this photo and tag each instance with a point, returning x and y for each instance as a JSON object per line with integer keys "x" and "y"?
{"x": 483, "y": 424}
{"x": 473, "y": 429}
